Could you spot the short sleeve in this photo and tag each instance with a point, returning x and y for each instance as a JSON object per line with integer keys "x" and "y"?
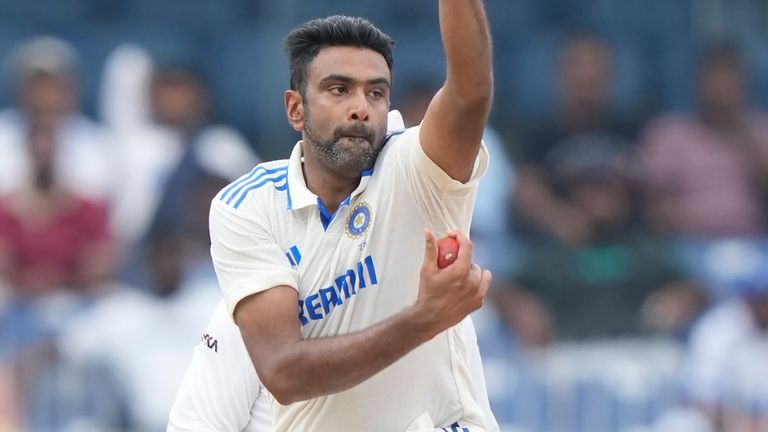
{"x": 446, "y": 203}
{"x": 246, "y": 257}
{"x": 428, "y": 173}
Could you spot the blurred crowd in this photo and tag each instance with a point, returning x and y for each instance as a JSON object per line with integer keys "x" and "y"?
{"x": 602, "y": 221}
{"x": 106, "y": 279}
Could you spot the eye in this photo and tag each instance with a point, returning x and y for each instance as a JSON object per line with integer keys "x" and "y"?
{"x": 376, "y": 93}
{"x": 339, "y": 90}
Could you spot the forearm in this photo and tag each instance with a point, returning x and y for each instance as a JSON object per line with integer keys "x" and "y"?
{"x": 453, "y": 125}
{"x": 309, "y": 368}
{"x": 468, "y": 50}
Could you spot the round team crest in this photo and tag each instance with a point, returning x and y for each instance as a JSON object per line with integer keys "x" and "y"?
{"x": 359, "y": 220}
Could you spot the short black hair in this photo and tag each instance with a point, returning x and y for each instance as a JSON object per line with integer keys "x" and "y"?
{"x": 305, "y": 41}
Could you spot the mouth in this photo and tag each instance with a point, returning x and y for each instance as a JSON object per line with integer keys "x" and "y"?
{"x": 355, "y": 134}
{"x": 355, "y": 139}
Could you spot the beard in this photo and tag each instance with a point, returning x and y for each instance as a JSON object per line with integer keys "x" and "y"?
{"x": 350, "y": 150}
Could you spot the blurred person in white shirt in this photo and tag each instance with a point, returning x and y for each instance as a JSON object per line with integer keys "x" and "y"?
{"x": 44, "y": 73}
{"x": 725, "y": 372}
{"x": 143, "y": 337}
{"x": 159, "y": 119}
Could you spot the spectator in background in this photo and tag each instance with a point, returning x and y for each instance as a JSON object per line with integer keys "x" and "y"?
{"x": 598, "y": 287}
{"x": 166, "y": 144}
{"x": 725, "y": 371}
{"x": 706, "y": 174}
{"x": 585, "y": 82}
{"x": 45, "y": 77}
{"x": 179, "y": 102}
{"x": 50, "y": 237}
{"x": 55, "y": 255}
{"x": 144, "y": 337}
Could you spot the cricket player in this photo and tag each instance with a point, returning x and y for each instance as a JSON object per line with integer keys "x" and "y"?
{"x": 347, "y": 319}
{"x": 222, "y": 392}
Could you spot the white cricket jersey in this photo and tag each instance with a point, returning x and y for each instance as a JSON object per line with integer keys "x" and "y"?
{"x": 221, "y": 391}
{"x": 354, "y": 268}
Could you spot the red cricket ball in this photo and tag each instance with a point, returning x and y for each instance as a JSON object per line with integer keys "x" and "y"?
{"x": 447, "y": 251}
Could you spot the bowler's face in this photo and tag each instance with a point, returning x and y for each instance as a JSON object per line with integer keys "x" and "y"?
{"x": 346, "y": 106}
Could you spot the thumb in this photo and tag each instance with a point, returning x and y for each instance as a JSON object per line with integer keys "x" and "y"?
{"x": 430, "y": 249}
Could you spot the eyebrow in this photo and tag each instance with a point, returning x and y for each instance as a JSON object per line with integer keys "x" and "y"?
{"x": 350, "y": 80}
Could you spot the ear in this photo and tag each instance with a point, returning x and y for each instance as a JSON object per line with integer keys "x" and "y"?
{"x": 294, "y": 109}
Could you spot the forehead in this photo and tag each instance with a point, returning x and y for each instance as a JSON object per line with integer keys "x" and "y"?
{"x": 359, "y": 63}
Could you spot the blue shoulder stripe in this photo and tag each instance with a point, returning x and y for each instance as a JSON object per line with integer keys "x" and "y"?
{"x": 255, "y": 186}
{"x": 254, "y": 175}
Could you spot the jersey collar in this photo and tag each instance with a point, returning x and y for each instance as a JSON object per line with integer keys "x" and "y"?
{"x": 298, "y": 194}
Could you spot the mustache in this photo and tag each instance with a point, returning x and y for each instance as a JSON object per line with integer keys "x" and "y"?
{"x": 356, "y": 130}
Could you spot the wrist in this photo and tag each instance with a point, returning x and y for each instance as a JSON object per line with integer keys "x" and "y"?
{"x": 421, "y": 322}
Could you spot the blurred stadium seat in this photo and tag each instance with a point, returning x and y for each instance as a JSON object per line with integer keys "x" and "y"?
{"x": 197, "y": 14}
{"x": 661, "y": 18}
{"x": 585, "y": 387}
{"x": 673, "y": 69}
{"x": 166, "y": 45}
{"x": 94, "y": 43}
{"x": 249, "y": 71}
{"x": 10, "y": 36}
{"x": 514, "y": 16}
{"x": 676, "y": 59}
{"x": 45, "y": 15}
{"x": 529, "y": 67}
{"x": 533, "y": 71}
{"x": 416, "y": 58}
{"x": 633, "y": 78}
{"x": 755, "y": 50}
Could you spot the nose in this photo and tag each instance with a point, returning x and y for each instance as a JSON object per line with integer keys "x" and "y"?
{"x": 358, "y": 108}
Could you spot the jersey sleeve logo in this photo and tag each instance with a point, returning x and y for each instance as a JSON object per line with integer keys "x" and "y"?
{"x": 359, "y": 220}
{"x": 294, "y": 256}
{"x": 210, "y": 342}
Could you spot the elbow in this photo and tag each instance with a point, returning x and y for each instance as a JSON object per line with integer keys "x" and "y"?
{"x": 484, "y": 91}
{"x": 475, "y": 94}
{"x": 283, "y": 397}
{"x": 483, "y": 97}
{"x": 282, "y": 385}
{"x": 480, "y": 101}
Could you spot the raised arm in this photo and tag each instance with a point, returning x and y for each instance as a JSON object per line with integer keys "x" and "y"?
{"x": 454, "y": 122}
{"x": 295, "y": 369}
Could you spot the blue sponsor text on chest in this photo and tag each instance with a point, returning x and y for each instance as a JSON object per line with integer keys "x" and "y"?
{"x": 317, "y": 306}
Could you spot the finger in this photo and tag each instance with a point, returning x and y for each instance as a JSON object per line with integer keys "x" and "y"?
{"x": 476, "y": 271}
{"x": 452, "y": 233}
{"x": 430, "y": 249}
{"x": 465, "y": 248}
{"x": 485, "y": 283}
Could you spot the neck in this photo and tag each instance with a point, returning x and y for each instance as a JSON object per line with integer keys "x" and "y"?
{"x": 331, "y": 187}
